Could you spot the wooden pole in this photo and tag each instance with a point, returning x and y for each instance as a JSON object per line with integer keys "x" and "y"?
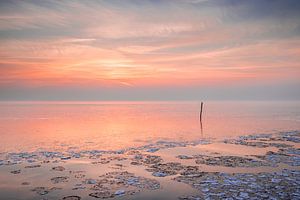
{"x": 201, "y": 108}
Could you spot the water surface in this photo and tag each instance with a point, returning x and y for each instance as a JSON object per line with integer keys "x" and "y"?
{"x": 26, "y": 126}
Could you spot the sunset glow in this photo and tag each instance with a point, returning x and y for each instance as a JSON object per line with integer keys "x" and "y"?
{"x": 154, "y": 44}
{"x": 149, "y": 99}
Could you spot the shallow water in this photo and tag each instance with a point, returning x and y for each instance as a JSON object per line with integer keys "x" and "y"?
{"x": 87, "y": 140}
{"x": 26, "y": 126}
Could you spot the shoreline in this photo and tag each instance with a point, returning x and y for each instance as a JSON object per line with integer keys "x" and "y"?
{"x": 201, "y": 166}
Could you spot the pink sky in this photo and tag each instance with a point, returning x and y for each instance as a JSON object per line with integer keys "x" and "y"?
{"x": 153, "y": 44}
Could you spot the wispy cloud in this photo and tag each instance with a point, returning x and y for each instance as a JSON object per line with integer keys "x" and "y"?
{"x": 158, "y": 43}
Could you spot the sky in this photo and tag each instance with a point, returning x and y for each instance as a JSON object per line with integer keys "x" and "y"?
{"x": 150, "y": 50}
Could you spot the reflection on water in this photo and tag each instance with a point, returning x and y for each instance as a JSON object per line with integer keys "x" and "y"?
{"x": 115, "y": 125}
{"x": 54, "y": 137}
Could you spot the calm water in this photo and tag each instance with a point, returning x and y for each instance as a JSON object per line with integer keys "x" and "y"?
{"x": 64, "y": 126}
{"x": 114, "y": 125}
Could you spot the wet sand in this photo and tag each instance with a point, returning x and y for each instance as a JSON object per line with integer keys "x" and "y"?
{"x": 264, "y": 166}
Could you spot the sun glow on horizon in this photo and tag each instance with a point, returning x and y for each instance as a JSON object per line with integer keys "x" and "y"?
{"x": 153, "y": 44}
